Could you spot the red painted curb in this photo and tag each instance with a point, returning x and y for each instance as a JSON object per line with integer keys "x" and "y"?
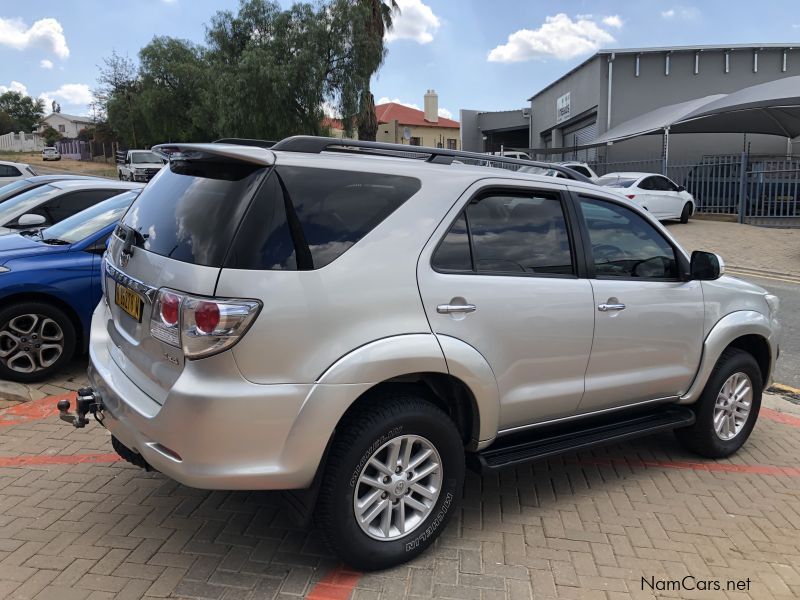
{"x": 335, "y": 585}
{"x": 44, "y": 459}
{"x": 779, "y": 417}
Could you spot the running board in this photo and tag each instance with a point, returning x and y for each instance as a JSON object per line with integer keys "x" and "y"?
{"x": 538, "y": 444}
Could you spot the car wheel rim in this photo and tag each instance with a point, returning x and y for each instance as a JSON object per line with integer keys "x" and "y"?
{"x": 397, "y": 487}
{"x": 733, "y": 405}
{"x": 30, "y": 343}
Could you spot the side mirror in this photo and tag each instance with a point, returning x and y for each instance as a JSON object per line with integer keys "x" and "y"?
{"x": 31, "y": 220}
{"x": 706, "y": 266}
{"x": 681, "y": 188}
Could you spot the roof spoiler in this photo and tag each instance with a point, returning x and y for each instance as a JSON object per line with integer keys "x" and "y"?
{"x": 258, "y": 155}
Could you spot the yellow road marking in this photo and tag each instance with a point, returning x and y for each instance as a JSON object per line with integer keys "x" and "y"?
{"x": 746, "y": 274}
{"x": 786, "y": 388}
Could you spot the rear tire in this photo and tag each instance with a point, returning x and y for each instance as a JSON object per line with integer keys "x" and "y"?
{"x": 728, "y": 407}
{"x": 36, "y": 340}
{"x": 686, "y": 213}
{"x": 402, "y": 509}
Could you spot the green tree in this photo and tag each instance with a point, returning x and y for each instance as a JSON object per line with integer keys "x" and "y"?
{"x": 50, "y": 135}
{"x": 24, "y": 111}
{"x": 173, "y": 77}
{"x": 116, "y": 97}
{"x": 378, "y": 20}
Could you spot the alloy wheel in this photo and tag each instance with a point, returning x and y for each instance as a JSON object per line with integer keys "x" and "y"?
{"x": 397, "y": 487}
{"x": 30, "y": 343}
{"x": 732, "y": 408}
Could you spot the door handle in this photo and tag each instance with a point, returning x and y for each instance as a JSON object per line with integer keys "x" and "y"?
{"x": 608, "y": 307}
{"x": 449, "y": 309}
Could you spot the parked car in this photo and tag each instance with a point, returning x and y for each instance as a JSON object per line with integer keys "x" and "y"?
{"x": 580, "y": 167}
{"x": 518, "y": 154}
{"x": 50, "y": 153}
{"x": 49, "y": 286}
{"x": 13, "y": 171}
{"x": 355, "y": 327}
{"x": 55, "y": 201}
{"x": 657, "y": 194}
{"x": 139, "y": 165}
{"x": 23, "y": 185}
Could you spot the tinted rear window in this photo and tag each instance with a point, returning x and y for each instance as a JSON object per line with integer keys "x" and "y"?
{"x": 191, "y": 210}
{"x": 304, "y": 218}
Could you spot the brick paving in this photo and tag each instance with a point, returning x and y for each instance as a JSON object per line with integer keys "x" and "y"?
{"x": 76, "y": 523}
{"x": 761, "y": 249}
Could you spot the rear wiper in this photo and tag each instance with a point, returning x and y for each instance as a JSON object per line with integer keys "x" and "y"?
{"x": 55, "y": 241}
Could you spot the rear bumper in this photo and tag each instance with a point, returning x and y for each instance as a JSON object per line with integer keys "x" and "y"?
{"x": 215, "y": 430}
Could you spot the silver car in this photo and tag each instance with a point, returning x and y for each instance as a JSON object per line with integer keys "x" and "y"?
{"x": 323, "y": 317}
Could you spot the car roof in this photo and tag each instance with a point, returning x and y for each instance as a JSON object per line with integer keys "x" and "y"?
{"x": 12, "y": 163}
{"x": 630, "y": 174}
{"x": 96, "y": 184}
{"x": 58, "y": 177}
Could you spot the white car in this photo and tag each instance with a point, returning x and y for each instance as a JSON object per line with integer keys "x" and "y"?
{"x": 50, "y": 153}
{"x": 12, "y": 171}
{"x": 657, "y": 194}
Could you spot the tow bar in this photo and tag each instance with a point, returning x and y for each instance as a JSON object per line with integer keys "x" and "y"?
{"x": 87, "y": 402}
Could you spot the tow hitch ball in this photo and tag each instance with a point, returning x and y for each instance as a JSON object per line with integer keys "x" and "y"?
{"x": 87, "y": 402}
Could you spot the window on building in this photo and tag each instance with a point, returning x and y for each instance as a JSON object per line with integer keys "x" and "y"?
{"x": 451, "y": 144}
{"x": 62, "y": 128}
{"x": 415, "y": 141}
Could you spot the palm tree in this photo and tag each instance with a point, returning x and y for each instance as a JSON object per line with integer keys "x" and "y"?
{"x": 379, "y": 20}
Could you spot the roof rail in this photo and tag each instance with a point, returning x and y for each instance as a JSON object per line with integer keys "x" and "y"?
{"x": 246, "y": 142}
{"x": 316, "y": 145}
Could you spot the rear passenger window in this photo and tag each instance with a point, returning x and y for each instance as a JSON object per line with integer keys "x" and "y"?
{"x": 304, "y": 218}
{"x": 509, "y": 234}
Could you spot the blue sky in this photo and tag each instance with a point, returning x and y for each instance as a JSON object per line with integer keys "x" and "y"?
{"x": 480, "y": 54}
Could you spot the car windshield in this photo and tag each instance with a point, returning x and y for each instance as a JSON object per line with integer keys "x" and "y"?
{"x": 87, "y": 222}
{"x": 140, "y": 158}
{"x": 14, "y": 188}
{"x": 19, "y": 205}
{"x": 615, "y": 181}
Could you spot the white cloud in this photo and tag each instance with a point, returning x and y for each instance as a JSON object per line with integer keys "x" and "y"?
{"x": 443, "y": 112}
{"x": 75, "y": 94}
{"x": 559, "y": 36}
{"x": 613, "y": 21}
{"x": 686, "y": 13}
{"x": 15, "y": 86}
{"x": 46, "y": 33}
{"x": 46, "y": 64}
{"x": 415, "y": 21}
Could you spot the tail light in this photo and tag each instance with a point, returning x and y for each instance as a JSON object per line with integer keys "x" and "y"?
{"x": 201, "y": 326}
{"x": 630, "y": 196}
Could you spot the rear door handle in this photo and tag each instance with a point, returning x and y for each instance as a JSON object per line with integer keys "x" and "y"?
{"x": 608, "y": 307}
{"x": 449, "y": 309}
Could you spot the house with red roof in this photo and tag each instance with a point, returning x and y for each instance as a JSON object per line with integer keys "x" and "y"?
{"x": 401, "y": 124}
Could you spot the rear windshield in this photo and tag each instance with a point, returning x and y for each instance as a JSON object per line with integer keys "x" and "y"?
{"x": 615, "y": 182}
{"x": 191, "y": 210}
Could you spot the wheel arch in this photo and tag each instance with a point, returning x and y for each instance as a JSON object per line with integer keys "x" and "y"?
{"x": 746, "y": 330}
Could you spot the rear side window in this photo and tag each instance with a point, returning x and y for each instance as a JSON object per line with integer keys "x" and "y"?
{"x": 191, "y": 210}
{"x": 304, "y": 218}
{"x": 66, "y": 205}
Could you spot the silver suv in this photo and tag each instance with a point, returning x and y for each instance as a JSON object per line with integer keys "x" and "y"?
{"x": 328, "y": 317}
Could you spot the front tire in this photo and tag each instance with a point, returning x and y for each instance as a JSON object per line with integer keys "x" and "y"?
{"x": 728, "y": 407}
{"x": 36, "y": 340}
{"x": 686, "y": 212}
{"x": 393, "y": 478}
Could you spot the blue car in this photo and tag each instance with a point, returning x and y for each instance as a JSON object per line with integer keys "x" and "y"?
{"x": 49, "y": 287}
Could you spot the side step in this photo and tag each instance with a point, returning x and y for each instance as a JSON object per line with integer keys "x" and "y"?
{"x": 541, "y": 444}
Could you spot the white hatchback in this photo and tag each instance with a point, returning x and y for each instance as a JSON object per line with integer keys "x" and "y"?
{"x": 661, "y": 196}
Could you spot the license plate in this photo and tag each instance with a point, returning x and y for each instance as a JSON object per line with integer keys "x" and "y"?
{"x": 129, "y": 301}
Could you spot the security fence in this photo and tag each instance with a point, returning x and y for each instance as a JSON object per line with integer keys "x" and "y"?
{"x": 760, "y": 190}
